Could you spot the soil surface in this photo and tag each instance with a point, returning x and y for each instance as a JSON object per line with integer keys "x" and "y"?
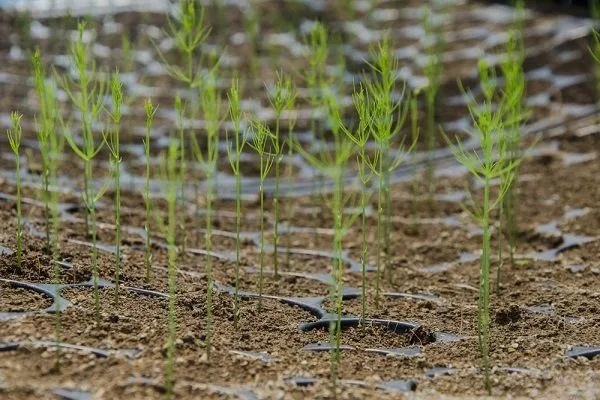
{"x": 419, "y": 339}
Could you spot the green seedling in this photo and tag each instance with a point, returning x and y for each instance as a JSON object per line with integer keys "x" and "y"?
{"x": 414, "y": 133}
{"x": 490, "y": 162}
{"x": 50, "y": 143}
{"x": 180, "y": 111}
{"x": 515, "y": 87}
{"x": 282, "y": 99}
{"x": 188, "y": 34}
{"x": 112, "y": 141}
{"x": 88, "y": 100}
{"x": 261, "y": 141}
{"x": 150, "y": 111}
{"x": 388, "y": 117}
{"x": 210, "y": 102}
{"x": 290, "y": 179}
{"x": 128, "y": 61}
{"x": 234, "y": 162}
{"x": 333, "y": 166}
{"x": 14, "y": 140}
{"x": 433, "y": 72}
{"x": 315, "y": 80}
{"x": 44, "y": 128}
{"x": 361, "y": 136}
{"x": 170, "y": 177}
{"x": 51, "y": 146}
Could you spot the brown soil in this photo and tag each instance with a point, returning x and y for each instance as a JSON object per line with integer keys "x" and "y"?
{"x": 545, "y": 305}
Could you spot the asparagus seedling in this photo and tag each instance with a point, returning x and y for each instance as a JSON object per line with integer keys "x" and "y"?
{"x": 180, "y": 111}
{"x": 234, "y": 161}
{"x": 433, "y": 71}
{"x": 290, "y": 179}
{"x": 50, "y": 147}
{"x": 315, "y": 78}
{"x": 112, "y": 140}
{"x": 46, "y": 134}
{"x": 14, "y": 140}
{"x": 512, "y": 69}
{"x": 170, "y": 176}
{"x": 189, "y": 33}
{"x": 282, "y": 99}
{"x": 388, "y": 118}
{"x": 260, "y": 141}
{"x": 333, "y": 165}
{"x": 361, "y": 136}
{"x": 210, "y": 102}
{"x": 150, "y": 111}
{"x": 89, "y": 101}
{"x": 489, "y": 163}
{"x": 414, "y": 133}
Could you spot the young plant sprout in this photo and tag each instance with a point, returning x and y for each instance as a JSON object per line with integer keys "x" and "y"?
{"x": 388, "y": 119}
{"x": 112, "y": 141}
{"x": 490, "y": 162}
{"x": 150, "y": 111}
{"x": 234, "y": 162}
{"x": 433, "y": 72}
{"x": 46, "y": 134}
{"x": 188, "y": 34}
{"x": 282, "y": 99}
{"x": 512, "y": 70}
{"x": 51, "y": 144}
{"x": 88, "y": 100}
{"x": 361, "y": 136}
{"x": 170, "y": 178}
{"x": 14, "y": 140}
{"x": 210, "y": 102}
{"x": 180, "y": 111}
{"x": 261, "y": 142}
{"x": 414, "y": 134}
{"x": 334, "y": 165}
{"x": 290, "y": 179}
{"x": 315, "y": 79}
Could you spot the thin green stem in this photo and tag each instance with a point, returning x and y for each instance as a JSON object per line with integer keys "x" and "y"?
{"x": 262, "y": 232}
{"x": 484, "y": 313}
{"x": 388, "y": 211}
{"x": 55, "y": 254}
{"x": 148, "y": 253}
{"x": 276, "y": 202}
{"x": 314, "y": 177}
{"x": 172, "y": 254}
{"x": 500, "y": 257}
{"x": 183, "y": 207}
{"x": 118, "y": 228}
{"x": 363, "y": 258}
{"x": 209, "y": 283}
{"x": 430, "y": 129}
{"x": 95, "y": 257}
{"x": 19, "y": 223}
{"x": 290, "y": 204}
{"x": 46, "y": 198}
{"x": 379, "y": 233}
